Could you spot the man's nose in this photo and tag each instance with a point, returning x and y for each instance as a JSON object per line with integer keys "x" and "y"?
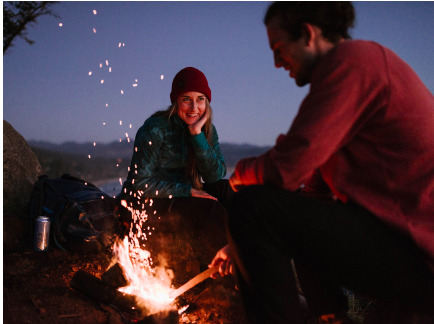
{"x": 277, "y": 60}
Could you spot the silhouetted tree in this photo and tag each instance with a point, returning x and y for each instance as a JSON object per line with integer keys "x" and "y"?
{"x": 17, "y": 15}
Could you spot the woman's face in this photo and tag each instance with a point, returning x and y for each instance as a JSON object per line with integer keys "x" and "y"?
{"x": 191, "y": 106}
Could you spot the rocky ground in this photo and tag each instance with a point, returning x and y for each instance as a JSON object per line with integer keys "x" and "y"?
{"x": 36, "y": 289}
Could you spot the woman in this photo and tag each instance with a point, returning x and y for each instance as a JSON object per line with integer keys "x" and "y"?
{"x": 173, "y": 151}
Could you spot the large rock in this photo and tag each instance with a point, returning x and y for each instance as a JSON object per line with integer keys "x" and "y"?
{"x": 21, "y": 169}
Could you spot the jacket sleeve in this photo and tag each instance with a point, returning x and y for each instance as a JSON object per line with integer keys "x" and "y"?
{"x": 210, "y": 161}
{"x": 148, "y": 181}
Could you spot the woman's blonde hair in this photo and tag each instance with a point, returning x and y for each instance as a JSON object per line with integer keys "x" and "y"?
{"x": 191, "y": 171}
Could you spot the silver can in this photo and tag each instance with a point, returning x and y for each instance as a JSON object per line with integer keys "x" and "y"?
{"x": 42, "y": 233}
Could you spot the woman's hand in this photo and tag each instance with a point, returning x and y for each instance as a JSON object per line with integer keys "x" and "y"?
{"x": 201, "y": 194}
{"x": 196, "y": 128}
{"x": 224, "y": 260}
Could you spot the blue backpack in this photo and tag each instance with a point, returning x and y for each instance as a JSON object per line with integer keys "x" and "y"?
{"x": 83, "y": 218}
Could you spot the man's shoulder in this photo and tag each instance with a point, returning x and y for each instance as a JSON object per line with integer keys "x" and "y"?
{"x": 359, "y": 47}
{"x": 358, "y": 53}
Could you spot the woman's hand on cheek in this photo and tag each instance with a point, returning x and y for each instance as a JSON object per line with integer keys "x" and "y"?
{"x": 196, "y": 128}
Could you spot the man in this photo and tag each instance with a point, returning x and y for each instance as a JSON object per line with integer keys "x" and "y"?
{"x": 348, "y": 192}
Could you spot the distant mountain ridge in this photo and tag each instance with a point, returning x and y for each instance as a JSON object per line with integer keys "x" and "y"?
{"x": 232, "y": 152}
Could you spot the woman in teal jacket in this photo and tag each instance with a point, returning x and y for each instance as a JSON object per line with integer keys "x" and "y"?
{"x": 176, "y": 148}
{"x": 177, "y": 168}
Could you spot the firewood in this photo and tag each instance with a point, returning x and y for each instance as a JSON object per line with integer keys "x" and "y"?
{"x": 115, "y": 276}
{"x": 100, "y": 291}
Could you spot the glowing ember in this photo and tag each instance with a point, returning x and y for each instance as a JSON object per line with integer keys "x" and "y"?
{"x": 60, "y": 24}
{"x": 162, "y": 77}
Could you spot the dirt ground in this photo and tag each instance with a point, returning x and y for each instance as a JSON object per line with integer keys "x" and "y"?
{"x": 36, "y": 289}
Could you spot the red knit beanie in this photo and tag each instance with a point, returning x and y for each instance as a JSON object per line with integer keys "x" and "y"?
{"x": 189, "y": 79}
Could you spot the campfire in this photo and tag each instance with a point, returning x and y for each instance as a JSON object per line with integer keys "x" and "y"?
{"x": 132, "y": 284}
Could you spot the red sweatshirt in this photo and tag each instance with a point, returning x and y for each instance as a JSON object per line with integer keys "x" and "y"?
{"x": 368, "y": 125}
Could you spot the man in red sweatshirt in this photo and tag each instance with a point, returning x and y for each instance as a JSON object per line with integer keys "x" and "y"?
{"x": 348, "y": 192}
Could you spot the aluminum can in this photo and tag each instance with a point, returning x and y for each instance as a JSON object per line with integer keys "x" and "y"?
{"x": 42, "y": 233}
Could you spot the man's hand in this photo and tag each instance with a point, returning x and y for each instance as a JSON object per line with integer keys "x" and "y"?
{"x": 196, "y": 128}
{"x": 235, "y": 182}
{"x": 224, "y": 260}
{"x": 201, "y": 194}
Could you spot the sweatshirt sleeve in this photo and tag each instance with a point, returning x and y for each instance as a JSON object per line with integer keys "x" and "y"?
{"x": 210, "y": 161}
{"x": 146, "y": 178}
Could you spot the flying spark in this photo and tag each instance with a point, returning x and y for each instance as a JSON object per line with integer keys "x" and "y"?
{"x": 94, "y": 12}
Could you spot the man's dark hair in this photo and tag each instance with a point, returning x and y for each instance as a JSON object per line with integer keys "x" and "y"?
{"x": 333, "y": 18}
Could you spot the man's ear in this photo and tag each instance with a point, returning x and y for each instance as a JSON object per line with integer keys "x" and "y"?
{"x": 309, "y": 33}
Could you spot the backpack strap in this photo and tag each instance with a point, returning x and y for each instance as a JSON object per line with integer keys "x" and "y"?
{"x": 37, "y": 197}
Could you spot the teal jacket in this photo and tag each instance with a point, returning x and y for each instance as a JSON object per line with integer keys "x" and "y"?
{"x": 159, "y": 159}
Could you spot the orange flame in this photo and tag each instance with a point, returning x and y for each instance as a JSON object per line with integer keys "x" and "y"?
{"x": 150, "y": 285}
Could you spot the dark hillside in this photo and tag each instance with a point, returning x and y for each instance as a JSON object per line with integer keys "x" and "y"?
{"x": 55, "y": 163}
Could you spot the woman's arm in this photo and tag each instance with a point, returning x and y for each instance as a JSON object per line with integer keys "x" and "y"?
{"x": 210, "y": 161}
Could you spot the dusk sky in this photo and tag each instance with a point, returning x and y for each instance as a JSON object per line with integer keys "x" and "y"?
{"x": 53, "y": 90}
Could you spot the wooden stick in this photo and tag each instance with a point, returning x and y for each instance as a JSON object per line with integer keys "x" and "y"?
{"x": 193, "y": 282}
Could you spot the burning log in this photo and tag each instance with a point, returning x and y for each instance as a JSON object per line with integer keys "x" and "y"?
{"x": 115, "y": 276}
{"x": 101, "y": 291}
